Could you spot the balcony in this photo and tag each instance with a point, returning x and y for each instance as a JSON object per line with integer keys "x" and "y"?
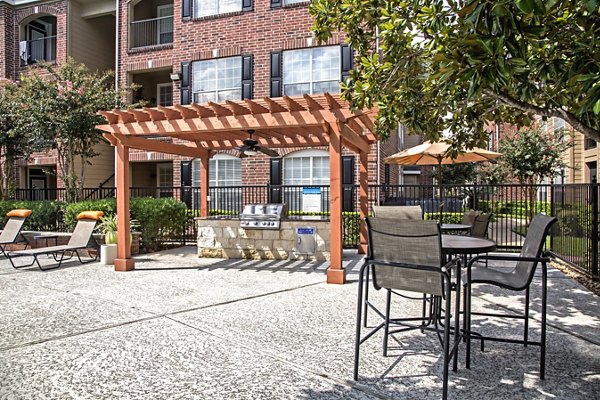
{"x": 151, "y": 32}
{"x": 37, "y": 50}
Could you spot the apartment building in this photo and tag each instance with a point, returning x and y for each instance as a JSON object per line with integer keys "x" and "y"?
{"x": 186, "y": 51}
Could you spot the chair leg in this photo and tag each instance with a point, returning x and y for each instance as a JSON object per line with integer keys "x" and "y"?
{"x": 456, "y": 321}
{"x": 366, "y": 307}
{"x": 468, "y": 322}
{"x": 544, "y": 310}
{"x": 386, "y": 328}
{"x": 526, "y": 322}
{"x": 359, "y": 309}
{"x": 446, "y": 345}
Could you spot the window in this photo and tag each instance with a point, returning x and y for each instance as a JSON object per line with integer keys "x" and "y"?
{"x": 223, "y": 171}
{"x": 306, "y": 167}
{"x": 217, "y": 80}
{"x": 164, "y": 94}
{"x": 589, "y": 143}
{"x": 204, "y": 8}
{"x": 312, "y": 71}
{"x": 39, "y": 41}
{"x": 164, "y": 177}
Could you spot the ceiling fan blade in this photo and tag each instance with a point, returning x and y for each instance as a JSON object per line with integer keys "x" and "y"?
{"x": 267, "y": 151}
{"x": 243, "y": 148}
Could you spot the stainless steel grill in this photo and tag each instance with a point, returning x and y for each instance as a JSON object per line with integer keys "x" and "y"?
{"x": 263, "y": 216}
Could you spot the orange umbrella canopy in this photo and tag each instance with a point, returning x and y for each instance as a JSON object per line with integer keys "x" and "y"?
{"x": 429, "y": 153}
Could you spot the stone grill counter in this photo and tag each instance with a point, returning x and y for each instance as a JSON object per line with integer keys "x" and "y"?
{"x": 224, "y": 238}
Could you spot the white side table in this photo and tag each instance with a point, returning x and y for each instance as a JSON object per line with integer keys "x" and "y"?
{"x": 108, "y": 253}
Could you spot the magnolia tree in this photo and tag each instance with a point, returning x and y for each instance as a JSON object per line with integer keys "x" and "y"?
{"x": 449, "y": 66}
{"x": 530, "y": 156}
{"x": 58, "y": 106}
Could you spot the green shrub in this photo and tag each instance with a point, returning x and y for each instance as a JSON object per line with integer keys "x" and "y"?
{"x": 71, "y": 210}
{"x": 350, "y": 229}
{"x": 447, "y": 217}
{"x": 44, "y": 217}
{"x": 159, "y": 220}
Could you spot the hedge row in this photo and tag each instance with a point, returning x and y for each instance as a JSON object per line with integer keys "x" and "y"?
{"x": 159, "y": 220}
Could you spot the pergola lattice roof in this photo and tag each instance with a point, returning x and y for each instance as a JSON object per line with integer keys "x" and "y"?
{"x": 302, "y": 121}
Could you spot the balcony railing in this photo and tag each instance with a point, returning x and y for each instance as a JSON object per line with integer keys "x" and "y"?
{"x": 37, "y": 50}
{"x": 151, "y": 32}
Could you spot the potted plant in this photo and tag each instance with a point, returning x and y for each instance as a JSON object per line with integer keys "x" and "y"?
{"x": 108, "y": 227}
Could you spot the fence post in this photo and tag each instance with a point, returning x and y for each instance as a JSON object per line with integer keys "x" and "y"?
{"x": 594, "y": 196}
{"x": 552, "y": 213}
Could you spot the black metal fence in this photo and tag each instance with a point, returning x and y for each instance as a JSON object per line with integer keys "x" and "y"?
{"x": 573, "y": 239}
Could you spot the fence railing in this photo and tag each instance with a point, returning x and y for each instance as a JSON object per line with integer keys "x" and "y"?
{"x": 151, "y": 32}
{"x": 574, "y": 238}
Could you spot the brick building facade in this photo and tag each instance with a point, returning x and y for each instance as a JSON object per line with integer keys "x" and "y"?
{"x": 169, "y": 47}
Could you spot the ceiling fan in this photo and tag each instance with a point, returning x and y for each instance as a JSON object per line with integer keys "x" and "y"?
{"x": 251, "y": 147}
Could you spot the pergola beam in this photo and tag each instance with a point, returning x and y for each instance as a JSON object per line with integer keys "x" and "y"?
{"x": 158, "y": 146}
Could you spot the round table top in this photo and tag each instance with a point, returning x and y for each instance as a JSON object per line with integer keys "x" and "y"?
{"x": 457, "y": 244}
{"x": 455, "y": 227}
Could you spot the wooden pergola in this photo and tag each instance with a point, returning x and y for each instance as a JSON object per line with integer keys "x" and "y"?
{"x": 201, "y": 130}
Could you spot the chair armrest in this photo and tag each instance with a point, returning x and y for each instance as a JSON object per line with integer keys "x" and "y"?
{"x": 452, "y": 264}
{"x": 506, "y": 258}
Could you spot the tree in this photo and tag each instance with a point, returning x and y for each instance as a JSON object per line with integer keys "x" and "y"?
{"x": 530, "y": 156}
{"x": 12, "y": 145}
{"x": 59, "y": 106}
{"x": 448, "y": 65}
{"x": 458, "y": 174}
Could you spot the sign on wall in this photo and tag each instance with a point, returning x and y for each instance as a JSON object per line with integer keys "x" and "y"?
{"x": 311, "y": 199}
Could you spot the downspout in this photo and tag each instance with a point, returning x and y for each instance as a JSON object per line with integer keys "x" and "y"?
{"x": 117, "y": 48}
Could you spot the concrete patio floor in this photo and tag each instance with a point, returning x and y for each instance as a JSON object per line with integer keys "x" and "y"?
{"x": 179, "y": 327}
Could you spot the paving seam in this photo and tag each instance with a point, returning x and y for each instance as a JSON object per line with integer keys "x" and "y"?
{"x": 152, "y": 317}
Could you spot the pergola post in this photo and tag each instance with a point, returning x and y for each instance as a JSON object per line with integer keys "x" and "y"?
{"x": 123, "y": 262}
{"x": 363, "y": 199}
{"x": 204, "y": 183}
{"x": 336, "y": 272}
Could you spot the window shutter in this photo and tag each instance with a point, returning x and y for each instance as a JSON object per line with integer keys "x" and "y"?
{"x": 186, "y": 182}
{"x": 276, "y": 3}
{"x": 247, "y": 5}
{"x": 347, "y": 61}
{"x": 276, "y": 74}
{"x": 247, "y": 76}
{"x": 276, "y": 180}
{"x": 186, "y": 9}
{"x": 186, "y": 90}
{"x": 347, "y": 183}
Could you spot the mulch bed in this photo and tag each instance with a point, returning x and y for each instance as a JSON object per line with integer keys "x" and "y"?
{"x": 585, "y": 280}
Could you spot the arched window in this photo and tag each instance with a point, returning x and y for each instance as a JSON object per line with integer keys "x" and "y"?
{"x": 38, "y": 40}
{"x": 306, "y": 167}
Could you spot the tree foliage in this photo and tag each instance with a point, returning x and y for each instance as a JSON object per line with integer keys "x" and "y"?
{"x": 59, "y": 106}
{"x": 12, "y": 145}
{"x": 449, "y": 66}
{"x": 531, "y": 155}
{"x": 459, "y": 173}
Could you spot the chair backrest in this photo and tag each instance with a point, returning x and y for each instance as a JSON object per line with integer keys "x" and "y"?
{"x": 12, "y": 229}
{"x": 469, "y": 217}
{"x": 82, "y": 233}
{"x": 480, "y": 225}
{"x": 533, "y": 246}
{"x": 415, "y": 243}
{"x": 398, "y": 212}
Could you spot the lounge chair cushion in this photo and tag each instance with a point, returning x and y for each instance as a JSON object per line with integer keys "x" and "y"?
{"x": 19, "y": 212}
{"x": 95, "y": 215}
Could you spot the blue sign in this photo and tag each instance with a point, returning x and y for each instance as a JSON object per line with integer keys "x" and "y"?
{"x": 306, "y": 231}
{"x": 311, "y": 190}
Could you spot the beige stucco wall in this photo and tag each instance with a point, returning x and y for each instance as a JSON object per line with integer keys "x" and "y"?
{"x": 102, "y": 166}
{"x": 92, "y": 41}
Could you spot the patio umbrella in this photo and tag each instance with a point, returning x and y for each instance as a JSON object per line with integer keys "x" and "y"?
{"x": 435, "y": 153}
